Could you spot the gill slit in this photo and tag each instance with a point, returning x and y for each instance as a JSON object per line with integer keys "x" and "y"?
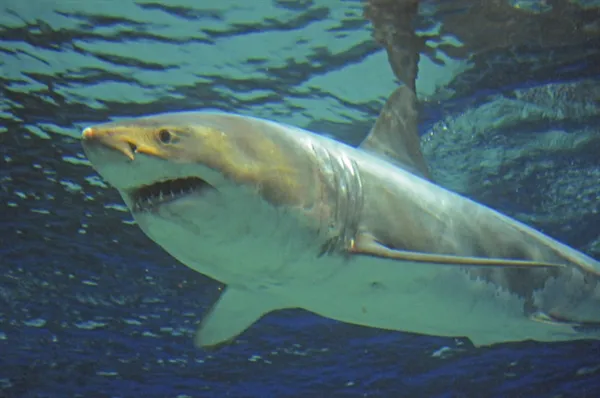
{"x": 343, "y": 181}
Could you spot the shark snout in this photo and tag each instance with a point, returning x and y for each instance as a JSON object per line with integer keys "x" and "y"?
{"x": 95, "y": 140}
{"x": 115, "y": 156}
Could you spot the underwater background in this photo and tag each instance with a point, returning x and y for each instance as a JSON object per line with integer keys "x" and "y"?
{"x": 90, "y": 307}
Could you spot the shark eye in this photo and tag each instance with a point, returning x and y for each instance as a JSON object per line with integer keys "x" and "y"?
{"x": 165, "y": 136}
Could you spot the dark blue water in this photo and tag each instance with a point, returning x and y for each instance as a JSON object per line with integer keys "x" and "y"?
{"x": 90, "y": 307}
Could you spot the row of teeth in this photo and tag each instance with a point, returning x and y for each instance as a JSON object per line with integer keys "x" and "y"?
{"x": 154, "y": 200}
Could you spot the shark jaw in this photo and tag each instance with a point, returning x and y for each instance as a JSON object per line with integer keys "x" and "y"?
{"x": 151, "y": 196}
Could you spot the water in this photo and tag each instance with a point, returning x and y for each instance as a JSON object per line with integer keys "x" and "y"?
{"x": 89, "y": 307}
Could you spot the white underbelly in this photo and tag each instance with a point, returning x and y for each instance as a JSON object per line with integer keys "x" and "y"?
{"x": 426, "y": 299}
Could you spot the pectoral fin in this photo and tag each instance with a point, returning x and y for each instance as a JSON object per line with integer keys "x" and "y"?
{"x": 234, "y": 312}
{"x": 367, "y": 245}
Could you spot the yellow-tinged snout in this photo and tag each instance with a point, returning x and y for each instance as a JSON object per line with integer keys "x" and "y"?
{"x": 114, "y": 150}
{"x": 129, "y": 142}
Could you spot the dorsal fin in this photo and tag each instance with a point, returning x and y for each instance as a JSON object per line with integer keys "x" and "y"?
{"x": 395, "y": 135}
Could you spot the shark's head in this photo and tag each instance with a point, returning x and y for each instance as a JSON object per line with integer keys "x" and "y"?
{"x": 204, "y": 186}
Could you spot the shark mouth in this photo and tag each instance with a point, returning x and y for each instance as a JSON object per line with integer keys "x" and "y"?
{"x": 148, "y": 197}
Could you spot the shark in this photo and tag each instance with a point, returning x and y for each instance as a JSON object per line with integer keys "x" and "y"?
{"x": 287, "y": 218}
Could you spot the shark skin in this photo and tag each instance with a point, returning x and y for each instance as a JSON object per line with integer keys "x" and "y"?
{"x": 291, "y": 219}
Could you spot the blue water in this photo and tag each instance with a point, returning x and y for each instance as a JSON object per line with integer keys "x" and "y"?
{"x": 90, "y": 307}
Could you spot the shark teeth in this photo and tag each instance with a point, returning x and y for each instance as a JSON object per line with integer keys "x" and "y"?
{"x": 149, "y": 196}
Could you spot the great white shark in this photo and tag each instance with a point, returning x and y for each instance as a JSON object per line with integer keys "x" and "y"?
{"x": 291, "y": 219}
